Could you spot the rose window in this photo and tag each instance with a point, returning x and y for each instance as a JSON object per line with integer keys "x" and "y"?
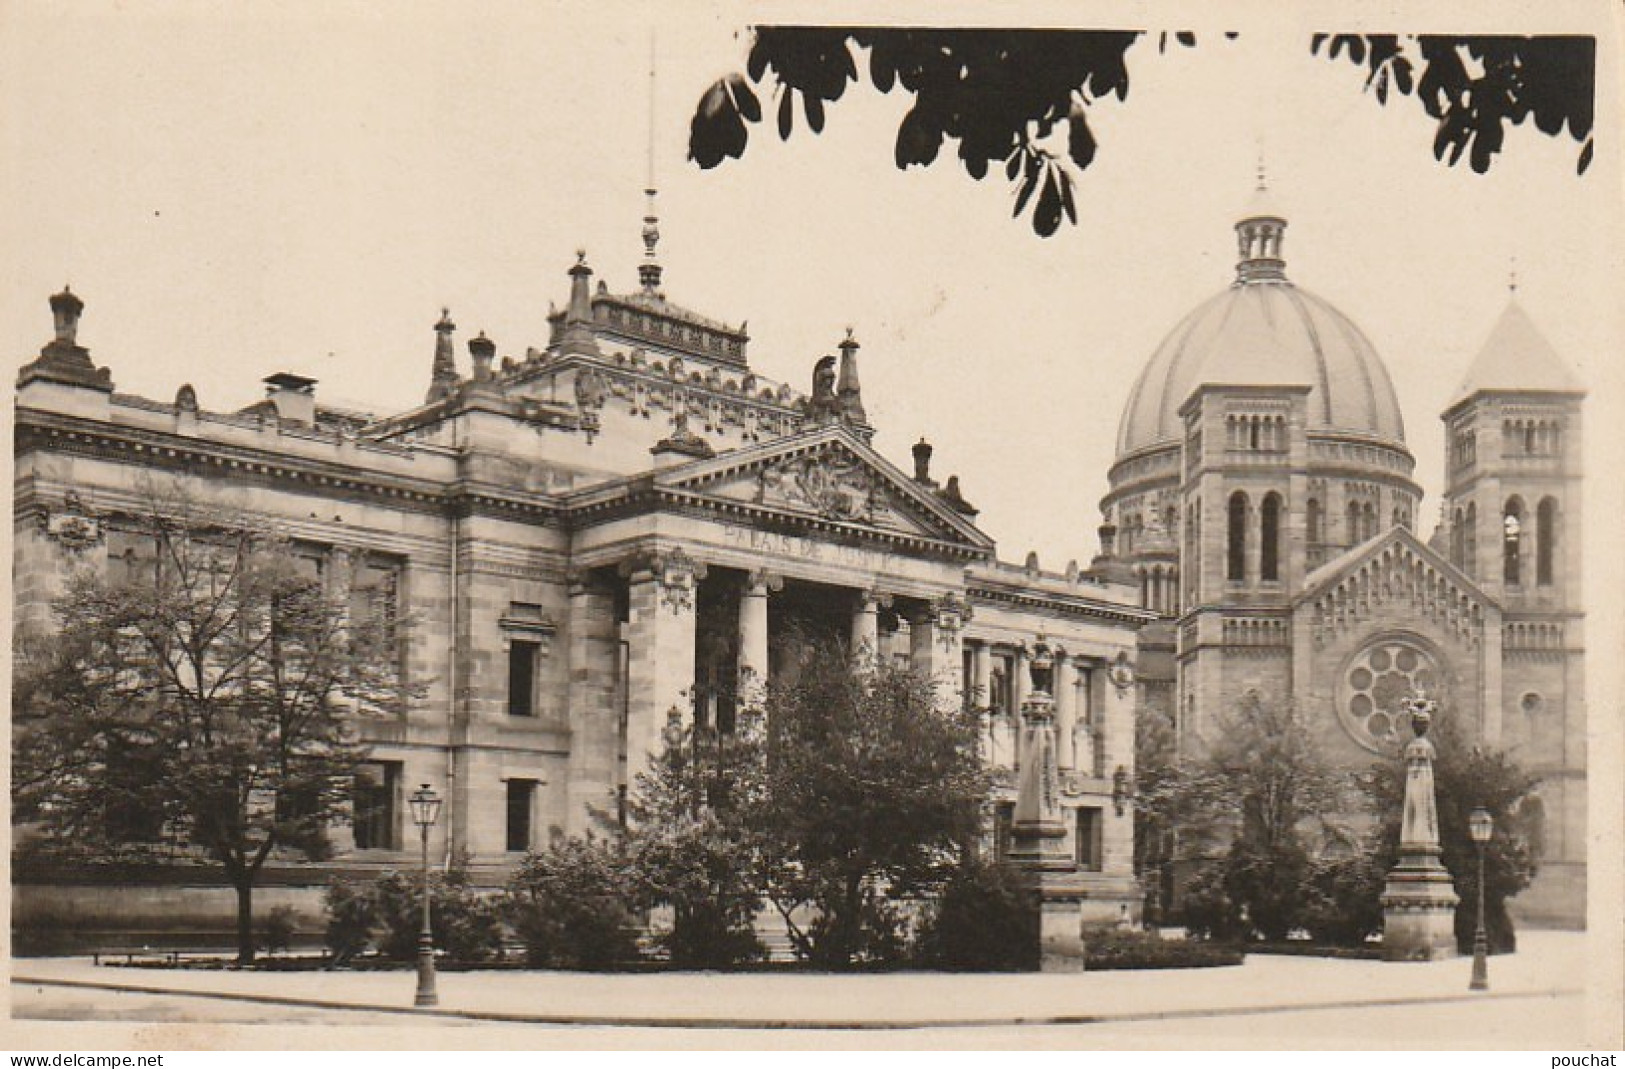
{"x": 1376, "y": 686}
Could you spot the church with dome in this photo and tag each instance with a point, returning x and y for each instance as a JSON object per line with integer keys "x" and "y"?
{"x": 1263, "y": 500}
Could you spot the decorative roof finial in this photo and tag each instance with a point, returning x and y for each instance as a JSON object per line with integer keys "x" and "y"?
{"x": 443, "y": 374}
{"x": 1259, "y": 234}
{"x": 1512, "y": 275}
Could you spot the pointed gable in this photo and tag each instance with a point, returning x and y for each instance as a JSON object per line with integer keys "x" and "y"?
{"x": 1517, "y": 358}
{"x": 824, "y": 477}
{"x": 1394, "y": 568}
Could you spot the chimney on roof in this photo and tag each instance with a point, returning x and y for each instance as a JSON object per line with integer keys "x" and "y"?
{"x": 65, "y": 309}
{"x": 62, "y": 359}
{"x": 922, "y": 463}
{"x": 294, "y": 397}
{"x": 483, "y": 350}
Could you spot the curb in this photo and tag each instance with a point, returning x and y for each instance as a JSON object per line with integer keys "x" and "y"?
{"x": 790, "y": 1024}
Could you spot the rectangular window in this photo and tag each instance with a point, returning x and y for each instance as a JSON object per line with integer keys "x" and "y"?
{"x": 1089, "y": 847}
{"x": 375, "y": 595}
{"x": 521, "y": 797}
{"x": 522, "y": 658}
{"x": 375, "y": 810}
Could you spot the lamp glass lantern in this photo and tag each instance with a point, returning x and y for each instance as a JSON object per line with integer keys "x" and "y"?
{"x": 425, "y": 804}
{"x": 1480, "y": 825}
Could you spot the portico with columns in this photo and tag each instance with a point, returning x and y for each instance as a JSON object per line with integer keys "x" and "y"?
{"x": 625, "y": 526}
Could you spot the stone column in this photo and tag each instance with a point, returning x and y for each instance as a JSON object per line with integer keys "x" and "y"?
{"x": 981, "y": 674}
{"x": 593, "y": 709}
{"x": 948, "y": 616}
{"x": 1419, "y": 898}
{"x": 753, "y": 637}
{"x": 1066, "y": 713}
{"x": 866, "y": 625}
{"x": 922, "y": 643}
{"x": 661, "y": 672}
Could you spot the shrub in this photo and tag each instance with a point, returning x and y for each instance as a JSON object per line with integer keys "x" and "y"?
{"x": 1109, "y": 948}
{"x": 352, "y": 914}
{"x": 277, "y": 930}
{"x": 1344, "y": 900}
{"x": 467, "y": 924}
{"x": 572, "y": 907}
{"x": 986, "y": 920}
{"x": 387, "y": 915}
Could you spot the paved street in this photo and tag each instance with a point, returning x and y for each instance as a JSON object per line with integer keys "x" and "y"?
{"x": 1537, "y": 1002}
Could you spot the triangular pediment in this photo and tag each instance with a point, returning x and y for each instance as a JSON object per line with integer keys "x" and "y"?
{"x": 827, "y": 475}
{"x": 1395, "y": 569}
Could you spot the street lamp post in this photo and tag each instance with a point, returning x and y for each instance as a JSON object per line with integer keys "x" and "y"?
{"x": 1481, "y": 826}
{"x": 425, "y": 809}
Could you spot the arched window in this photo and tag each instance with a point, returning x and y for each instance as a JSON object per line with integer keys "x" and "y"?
{"x": 1236, "y": 566}
{"x": 1545, "y": 540}
{"x": 1370, "y": 526}
{"x": 1458, "y": 535}
{"x": 1470, "y": 539}
{"x": 1512, "y": 542}
{"x": 1354, "y": 523}
{"x": 1269, "y": 539}
{"x": 1312, "y": 521}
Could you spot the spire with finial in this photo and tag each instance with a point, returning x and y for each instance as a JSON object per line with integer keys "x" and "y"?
{"x": 649, "y": 270}
{"x": 1259, "y": 234}
{"x": 443, "y": 377}
{"x": 1512, "y": 276}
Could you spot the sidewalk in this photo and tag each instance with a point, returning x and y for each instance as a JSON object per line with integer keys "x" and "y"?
{"x": 1548, "y": 966}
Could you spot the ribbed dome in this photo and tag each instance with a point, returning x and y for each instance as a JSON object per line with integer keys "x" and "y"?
{"x": 1264, "y": 330}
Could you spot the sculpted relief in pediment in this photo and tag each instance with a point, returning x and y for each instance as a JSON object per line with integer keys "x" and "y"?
{"x": 832, "y": 485}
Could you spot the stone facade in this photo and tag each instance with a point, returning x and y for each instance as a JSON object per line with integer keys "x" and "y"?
{"x": 621, "y": 524}
{"x": 1262, "y": 501}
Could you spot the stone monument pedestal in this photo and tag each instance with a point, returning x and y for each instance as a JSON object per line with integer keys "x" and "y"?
{"x": 1418, "y": 914}
{"x": 1060, "y": 929}
{"x": 1419, "y": 899}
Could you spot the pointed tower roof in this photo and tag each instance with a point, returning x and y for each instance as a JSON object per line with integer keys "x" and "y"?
{"x": 1517, "y": 358}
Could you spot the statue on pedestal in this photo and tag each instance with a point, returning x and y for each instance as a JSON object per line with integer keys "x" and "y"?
{"x": 1419, "y": 899}
{"x": 1038, "y": 831}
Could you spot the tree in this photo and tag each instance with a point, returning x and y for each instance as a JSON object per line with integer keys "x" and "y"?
{"x": 1466, "y": 776}
{"x": 207, "y": 692}
{"x": 873, "y": 794}
{"x": 695, "y": 845}
{"x": 1156, "y": 804}
{"x": 1263, "y": 784}
{"x": 1475, "y": 86}
{"x": 1004, "y": 96}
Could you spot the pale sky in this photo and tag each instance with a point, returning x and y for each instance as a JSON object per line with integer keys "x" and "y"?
{"x": 302, "y": 187}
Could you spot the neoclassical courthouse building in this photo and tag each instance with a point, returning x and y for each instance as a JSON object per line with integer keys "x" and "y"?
{"x": 628, "y": 519}
{"x": 609, "y": 531}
